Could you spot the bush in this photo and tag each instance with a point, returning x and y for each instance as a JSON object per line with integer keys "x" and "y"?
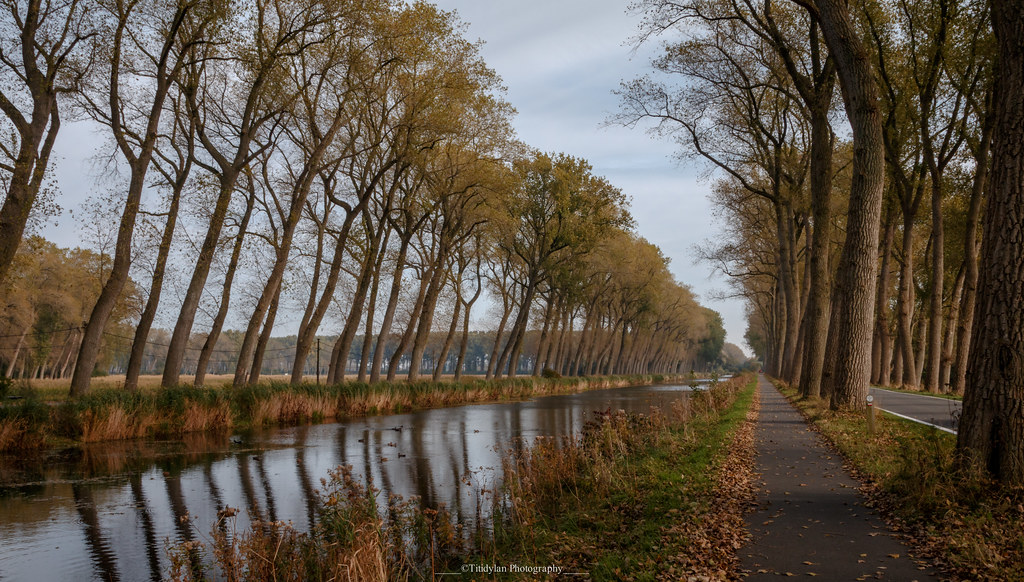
{"x": 549, "y": 373}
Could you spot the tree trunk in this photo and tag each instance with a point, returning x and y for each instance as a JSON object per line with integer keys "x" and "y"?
{"x": 967, "y": 312}
{"x": 879, "y": 370}
{"x": 542, "y": 344}
{"x": 492, "y": 362}
{"x": 937, "y": 280}
{"x": 225, "y": 299}
{"x": 131, "y": 379}
{"x": 261, "y": 345}
{"x": 510, "y": 355}
{"x": 343, "y": 347}
{"x": 955, "y": 313}
{"x": 316, "y": 309}
{"x": 403, "y": 344}
{"x": 922, "y": 333}
{"x": 389, "y": 311}
{"x": 190, "y": 304}
{"x": 371, "y": 309}
{"x": 442, "y": 356}
{"x": 905, "y": 335}
{"x": 426, "y": 314}
{"x": 992, "y": 426}
{"x": 464, "y": 343}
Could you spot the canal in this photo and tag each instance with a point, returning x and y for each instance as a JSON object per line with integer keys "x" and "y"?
{"x": 109, "y": 511}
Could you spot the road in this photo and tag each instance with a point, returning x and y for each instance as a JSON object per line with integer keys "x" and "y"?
{"x": 939, "y": 412}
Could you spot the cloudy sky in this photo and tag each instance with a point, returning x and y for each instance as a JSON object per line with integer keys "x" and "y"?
{"x": 561, "y": 60}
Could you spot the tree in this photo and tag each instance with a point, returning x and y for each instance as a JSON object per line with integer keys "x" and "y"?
{"x": 991, "y": 430}
{"x": 132, "y": 27}
{"x": 44, "y": 47}
{"x": 858, "y": 263}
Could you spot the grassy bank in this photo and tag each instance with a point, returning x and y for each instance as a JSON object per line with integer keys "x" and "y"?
{"x": 967, "y": 524}
{"x": 112, "y": 414}
{"x": 634, "y": 497}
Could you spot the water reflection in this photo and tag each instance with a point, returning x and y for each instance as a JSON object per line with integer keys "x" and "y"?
{"x": 106, "y": 511}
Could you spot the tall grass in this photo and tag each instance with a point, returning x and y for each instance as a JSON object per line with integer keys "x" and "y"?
{"x": 353, "y": 539}
{"x": 112, "y": 414}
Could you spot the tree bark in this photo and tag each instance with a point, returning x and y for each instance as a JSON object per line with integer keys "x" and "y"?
{"x": 880, "y": 348}
{"x": 992, "y": 426}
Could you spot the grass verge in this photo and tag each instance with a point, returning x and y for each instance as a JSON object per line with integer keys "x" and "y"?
{"x": 657, "y": 497}
{"x": 967, "y": 524}
{"x": 112, "y": 414}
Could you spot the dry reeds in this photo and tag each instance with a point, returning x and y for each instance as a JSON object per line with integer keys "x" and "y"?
{"x": 112, "y": 414}
{"x": 354, "y": 539}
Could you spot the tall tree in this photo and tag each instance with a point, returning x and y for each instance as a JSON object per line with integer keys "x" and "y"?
{"x": 133, "y": 117}
{"x": 991, "y": 429}
{"x": 858, "y": 263}
{"x": 250, "y": 76}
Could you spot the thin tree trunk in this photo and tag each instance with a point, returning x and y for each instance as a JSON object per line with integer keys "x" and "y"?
{"x": 442, "y": 356}
{"x": 542, "y": 343}
{"x": 340, "y": 356}
{"x": 403, "y": 343}
{"x": 906, "y": 305}
{"x": 951, "y": 323}
{"x": 971, "y": 247}
{"x": 506, "y": 311}
{"x": 464, "y": 343}
{"x": 389, "y": 312}
{"x": 371, "y": 309}
{"x": 131, "y": 380}
{"x": 261, "y": 345}
{"x": 225, "y": 297}
{"x": 880, "y": 349}
{"x": 316, "y": 309}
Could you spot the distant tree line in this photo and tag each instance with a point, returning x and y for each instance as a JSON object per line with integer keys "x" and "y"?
{"x": 881, "y": 246}
{"x": 349, "y": 165}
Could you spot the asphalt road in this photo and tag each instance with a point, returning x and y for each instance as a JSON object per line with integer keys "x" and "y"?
{"x": 940, "y": 412}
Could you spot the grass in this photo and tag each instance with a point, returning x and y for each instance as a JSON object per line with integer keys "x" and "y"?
{"x": 634, "y": 497}
{"x": 968, "y": 524}
{"x": 38, "y": 420}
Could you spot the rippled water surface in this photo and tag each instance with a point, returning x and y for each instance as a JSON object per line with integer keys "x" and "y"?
{"x": 108, "y": 512}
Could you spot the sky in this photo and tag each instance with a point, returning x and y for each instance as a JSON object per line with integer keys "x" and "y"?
{"x": 561, "y": 60}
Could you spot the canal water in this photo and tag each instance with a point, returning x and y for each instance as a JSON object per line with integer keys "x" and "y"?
{"x": 109, "y": 511}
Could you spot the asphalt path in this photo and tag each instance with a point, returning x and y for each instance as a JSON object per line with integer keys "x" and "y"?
{"x": 941, "y": 413}
{"x": 810, "y": 518}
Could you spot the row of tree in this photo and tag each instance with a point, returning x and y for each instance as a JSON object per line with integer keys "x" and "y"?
{"x": 350, "y": 162}
{"x": 859, "y": 246}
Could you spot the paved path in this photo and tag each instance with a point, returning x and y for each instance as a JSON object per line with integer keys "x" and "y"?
{"x": 942, "y": 413}
{"x": 811, "y": 519}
